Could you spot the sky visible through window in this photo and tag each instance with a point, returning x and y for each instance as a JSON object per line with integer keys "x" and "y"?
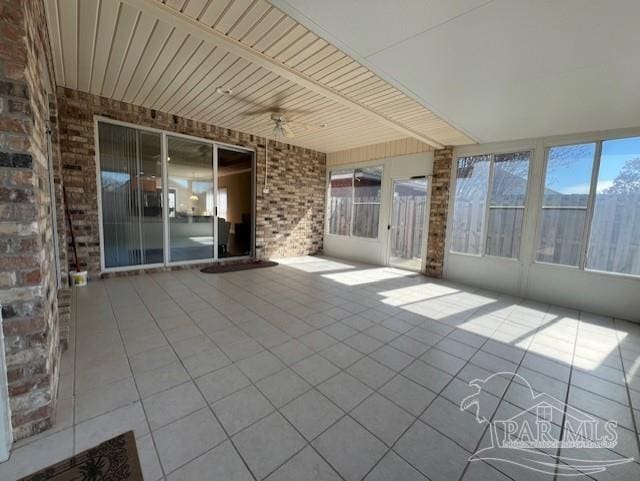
{"x": 568, "y": 178}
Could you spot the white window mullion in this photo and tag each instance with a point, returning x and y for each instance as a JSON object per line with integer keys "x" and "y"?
{"x": 485, "y": 222}
{"x": 353, "y": 201}
{"x": 165, "y": 200}
{"x": 590, "y": 205}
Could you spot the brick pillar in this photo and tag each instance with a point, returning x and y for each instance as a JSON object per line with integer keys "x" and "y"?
{"x": 27, "y": 279}
{"x": 442, "y": 161}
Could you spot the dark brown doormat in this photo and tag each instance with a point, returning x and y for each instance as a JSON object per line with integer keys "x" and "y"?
{"x": 113, "y": 460}
{"x": 237, "y": 266}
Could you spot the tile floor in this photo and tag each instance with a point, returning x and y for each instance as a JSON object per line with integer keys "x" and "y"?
{"x": 324, "y": 370}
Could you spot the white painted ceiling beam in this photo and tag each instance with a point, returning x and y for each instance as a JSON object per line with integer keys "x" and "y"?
{"x": 199, "y": 30}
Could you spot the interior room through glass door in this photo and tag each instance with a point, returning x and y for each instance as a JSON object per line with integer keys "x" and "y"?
{"x": 131, "y": 192}
{"x": 408, "y": 223}
{"x": 235, "y": 202}
{"x": 190, "y": 199}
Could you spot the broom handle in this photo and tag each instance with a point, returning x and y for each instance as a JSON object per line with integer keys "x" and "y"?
{"x": 73, "y": 237}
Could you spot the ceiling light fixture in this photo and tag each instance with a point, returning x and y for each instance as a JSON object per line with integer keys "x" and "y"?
{"x": 224, "y": 90}
{"x": 278, "y": 131}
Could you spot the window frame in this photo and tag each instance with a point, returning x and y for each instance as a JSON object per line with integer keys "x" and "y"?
{"x": 350, "y": 235}
{"x": 485, "y": 220}
{"x": 589, "y": 210}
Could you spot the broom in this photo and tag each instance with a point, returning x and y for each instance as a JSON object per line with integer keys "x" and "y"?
{"x": 73, "y": 238}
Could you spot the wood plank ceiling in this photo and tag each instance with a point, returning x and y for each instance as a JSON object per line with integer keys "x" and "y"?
{"x": 146, "y": 53}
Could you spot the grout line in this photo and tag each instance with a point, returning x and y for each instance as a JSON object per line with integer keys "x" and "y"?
{"x": 566, "y": 397}
{"x": 192, "y": 380}
{"x": 276, "y": 410}
{"x": 252, "y": 288}
{"x": 502, "y": 399}
{"x": 626, "y": 384}
{"x": 124, "y": 346}
{"x": 418, "y": 418}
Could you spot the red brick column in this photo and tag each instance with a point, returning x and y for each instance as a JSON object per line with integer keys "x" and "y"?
{"x": 27, "y": 279}
{"x": 442, "y": 162}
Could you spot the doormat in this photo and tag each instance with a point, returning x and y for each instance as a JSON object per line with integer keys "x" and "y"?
{"x": 113, "y": 460}
{"x": 237, "y": 266}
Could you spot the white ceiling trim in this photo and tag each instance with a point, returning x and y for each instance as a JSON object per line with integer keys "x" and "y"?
{"x": 201, "y": 31}
{"x": 314, "y": 27}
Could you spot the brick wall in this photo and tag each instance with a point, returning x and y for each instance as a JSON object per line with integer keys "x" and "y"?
{"x": 442, "y": 162}
{"x": 64, "y": 293}
{"x": 28, "y": 291}
{"x": 289, "y": 219}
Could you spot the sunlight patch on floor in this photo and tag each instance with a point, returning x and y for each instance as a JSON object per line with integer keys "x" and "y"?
{"x": 313, "y": 264}
{"x": 367, "y": 276}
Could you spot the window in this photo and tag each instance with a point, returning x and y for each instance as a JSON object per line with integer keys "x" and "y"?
{"x": 340, "y": 202}
{"x": 472, "y": 181}
{"x": 564, "y": 203}
{"x": 354, "y": 202}
{"x": 614, "y": 242}
{"x": 367, "y": 186}
{"x": 506, "y": 204}
{"x": 489, "y": 204}
{"x": 591, "y": 207}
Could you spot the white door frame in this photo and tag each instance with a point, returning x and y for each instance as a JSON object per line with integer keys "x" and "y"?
{"x": 6, "y": 433}
{"x": 425, "y": 234}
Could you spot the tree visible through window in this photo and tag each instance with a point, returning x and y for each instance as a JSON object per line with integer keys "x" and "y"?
{"x": 565, "y": 202}
{"x": 472, "y": 182}
{"x": 490, "y": 222}
{"x": 614, "y": 242}
{"x": 600, "y": 216}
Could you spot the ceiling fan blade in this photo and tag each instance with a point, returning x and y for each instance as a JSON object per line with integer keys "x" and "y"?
{"x": 264, "y": 111}
{"x": 287, "y": 131}
{"x": 275, "y": 110}
{"x": 294, "y": 113}
{"x": 306, "y": 126}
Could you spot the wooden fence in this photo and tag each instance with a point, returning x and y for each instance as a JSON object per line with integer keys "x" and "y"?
{"x": 408, "y": 218}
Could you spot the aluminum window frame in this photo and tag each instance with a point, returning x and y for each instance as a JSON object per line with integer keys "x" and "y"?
{"x": 488, "y": 207}
{"x": 352, "y": 170}
{"x": 589, "y": 208}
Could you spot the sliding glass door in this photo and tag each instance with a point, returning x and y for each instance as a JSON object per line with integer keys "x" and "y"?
{"x": 191, "y": 189}
{"x": 234, "y": 202}
{"x": 131, "y": 196}
{"x": 167, "y": 198}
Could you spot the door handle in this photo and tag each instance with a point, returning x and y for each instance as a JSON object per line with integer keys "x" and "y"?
{"x": 388, "y": 227}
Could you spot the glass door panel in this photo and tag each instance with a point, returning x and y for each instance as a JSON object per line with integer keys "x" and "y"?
{"x": 235, "y": 202}
{"x": 149, "y": 187}
{"x": 130, "y": 180}
{"x": 407, "y": 228}
{"x": 191, "y": 199}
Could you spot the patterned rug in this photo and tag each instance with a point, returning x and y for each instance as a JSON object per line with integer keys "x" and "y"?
{"x": 113, "y": 460}
{"x": 237, "y": 266}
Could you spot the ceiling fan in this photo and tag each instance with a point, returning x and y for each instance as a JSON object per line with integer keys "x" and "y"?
{"x": 282, "y": 125}
{"x": 284, "y": 121}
